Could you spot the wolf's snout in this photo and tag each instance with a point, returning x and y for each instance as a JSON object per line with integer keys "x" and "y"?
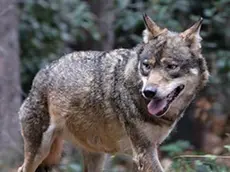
{"x": 150, "y": 92}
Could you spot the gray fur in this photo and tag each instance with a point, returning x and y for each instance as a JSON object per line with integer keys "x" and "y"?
{"x": 94, "y": 100}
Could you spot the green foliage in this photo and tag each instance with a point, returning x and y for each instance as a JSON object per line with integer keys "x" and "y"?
{"x": 173, "y": 149}
{"x": 191, "y": 163}
{"x": 195, "y": 165}
{"x": 72, "y": 167}
{"x": 46, "y": 27}
{"x": 227, "y": 147}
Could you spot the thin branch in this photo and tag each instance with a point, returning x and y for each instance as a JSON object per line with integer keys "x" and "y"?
{"x": 202, "y": 156}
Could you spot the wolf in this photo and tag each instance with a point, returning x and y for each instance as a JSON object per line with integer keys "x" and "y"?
{"x": 124, "y": 100}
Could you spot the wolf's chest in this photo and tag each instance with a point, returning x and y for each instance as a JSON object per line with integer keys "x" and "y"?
{"x": 155, "y": 133}
{"x": 98, "y": 135}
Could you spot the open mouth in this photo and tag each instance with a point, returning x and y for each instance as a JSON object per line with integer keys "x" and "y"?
{"x": 159, "y": 106}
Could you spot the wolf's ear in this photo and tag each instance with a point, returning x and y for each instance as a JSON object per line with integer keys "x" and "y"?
{"x": 152, "y": 30}
{"x": 192, "y": 35}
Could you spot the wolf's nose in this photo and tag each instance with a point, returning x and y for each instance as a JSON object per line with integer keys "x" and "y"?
{"x": 150, "y": 91}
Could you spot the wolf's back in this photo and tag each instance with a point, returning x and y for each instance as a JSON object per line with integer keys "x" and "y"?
{"x": 81, "y": 80}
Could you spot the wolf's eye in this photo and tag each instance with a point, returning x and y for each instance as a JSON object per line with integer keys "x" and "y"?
{"x": 171, "y": 66}
{"x": 146, "y": 67}
{"x": 146, "y": 64}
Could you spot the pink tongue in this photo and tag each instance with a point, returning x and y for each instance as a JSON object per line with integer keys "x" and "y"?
{"x": 155, "y": 106}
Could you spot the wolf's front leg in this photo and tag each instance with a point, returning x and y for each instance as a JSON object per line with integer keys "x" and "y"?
{"x": 93, "y": 162}
{"x": 146, "y": 161}
{"x": 144, "y": 152}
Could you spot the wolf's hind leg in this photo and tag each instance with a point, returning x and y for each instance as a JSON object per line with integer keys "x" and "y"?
{"x": 34, "y": 153}
{"x": 54, "y": 155}
{"x": 93, "y": 162}
{"x": 38, "y": 133}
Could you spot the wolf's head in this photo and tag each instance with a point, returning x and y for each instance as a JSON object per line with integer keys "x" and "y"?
{"x": 171, "y": 67}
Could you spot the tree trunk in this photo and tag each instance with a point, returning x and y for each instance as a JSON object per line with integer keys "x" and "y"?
{"x": 10, "y": 138}
{"x": 104, "y": 11}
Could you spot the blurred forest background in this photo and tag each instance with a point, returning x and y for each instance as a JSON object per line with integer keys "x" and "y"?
{"x": 35, "y": 32}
